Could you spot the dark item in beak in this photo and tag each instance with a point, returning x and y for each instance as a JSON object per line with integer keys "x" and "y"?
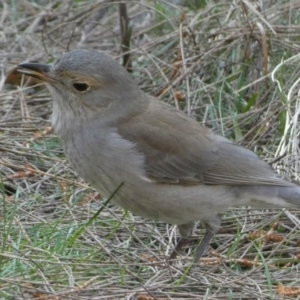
{"x": 36, "y": 70}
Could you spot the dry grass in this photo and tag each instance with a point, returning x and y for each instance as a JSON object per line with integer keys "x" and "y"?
{"x": 217, "y": 64}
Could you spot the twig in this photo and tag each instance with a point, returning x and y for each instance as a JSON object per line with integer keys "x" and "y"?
{"x": 126, "y": 31}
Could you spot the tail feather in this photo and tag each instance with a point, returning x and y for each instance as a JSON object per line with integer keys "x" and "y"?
{"x": 290, "y": 194}
{"x": 269, "y": 196}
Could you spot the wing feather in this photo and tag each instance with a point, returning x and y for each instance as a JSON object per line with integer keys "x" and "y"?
{"x": 187, "y": 153}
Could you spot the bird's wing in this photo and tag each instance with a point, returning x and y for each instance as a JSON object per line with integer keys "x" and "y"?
{"x": 179, "y": 150}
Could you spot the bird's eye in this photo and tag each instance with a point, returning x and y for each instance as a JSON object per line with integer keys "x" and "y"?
{"x": 81, "y": 87}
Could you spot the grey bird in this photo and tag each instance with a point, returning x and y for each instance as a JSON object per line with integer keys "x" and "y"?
{"x": 172, "y": 168}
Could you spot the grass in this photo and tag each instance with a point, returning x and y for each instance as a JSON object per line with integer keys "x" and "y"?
{"x": 235, "y": 68}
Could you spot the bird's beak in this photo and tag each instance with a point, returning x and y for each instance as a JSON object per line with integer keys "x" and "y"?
{"x": 36, "y": 70}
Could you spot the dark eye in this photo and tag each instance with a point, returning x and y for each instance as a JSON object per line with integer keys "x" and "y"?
{"x": 81, "y": 87}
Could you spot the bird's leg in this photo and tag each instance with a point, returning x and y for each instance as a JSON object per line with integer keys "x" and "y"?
{"x": 182, "y": 242}
{"x": 204, "y": 244}
{"x": 212, "y": 227}
{"x": 185, "y": 231}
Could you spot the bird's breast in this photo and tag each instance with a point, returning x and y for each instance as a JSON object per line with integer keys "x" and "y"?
{"x": 104, "y": 159}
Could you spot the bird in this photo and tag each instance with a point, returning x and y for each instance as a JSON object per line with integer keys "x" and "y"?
{"x": 171, "y": 168}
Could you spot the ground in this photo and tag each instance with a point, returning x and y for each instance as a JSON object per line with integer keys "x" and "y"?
{"x": 232, "y": 65}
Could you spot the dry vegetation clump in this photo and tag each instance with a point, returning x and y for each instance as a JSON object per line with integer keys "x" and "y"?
{"x": 232, "y": 65}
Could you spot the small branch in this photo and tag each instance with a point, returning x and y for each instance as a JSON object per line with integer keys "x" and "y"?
{"x": 126, "y": 32}
{"x": 278, "y": 158}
